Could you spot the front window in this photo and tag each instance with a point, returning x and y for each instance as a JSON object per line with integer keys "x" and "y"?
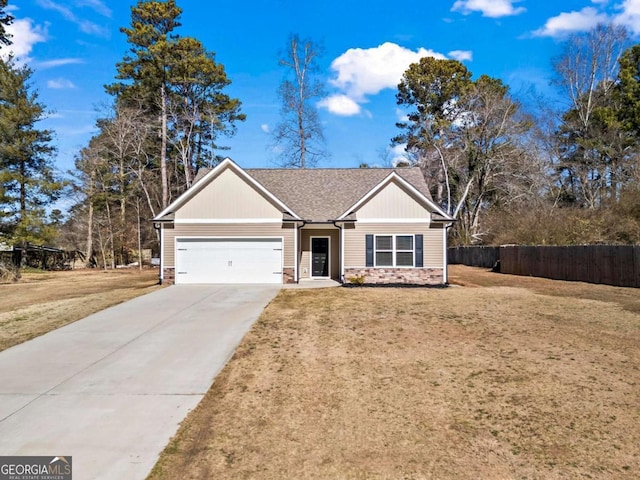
{"x": 394, "y": 251}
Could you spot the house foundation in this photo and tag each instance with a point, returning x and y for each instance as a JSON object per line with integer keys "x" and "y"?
{"x": 168, "y": 276}
{"x": 408, "y": 276}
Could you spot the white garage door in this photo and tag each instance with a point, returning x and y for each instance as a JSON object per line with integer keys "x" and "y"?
{"x": 228, "y": 260}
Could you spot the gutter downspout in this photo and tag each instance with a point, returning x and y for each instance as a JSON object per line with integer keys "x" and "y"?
{"x": 339, "y": 227}
{"x": 158, "y": 226}
{"x": 446, "y": 253}
{"x": 296, "y": 242}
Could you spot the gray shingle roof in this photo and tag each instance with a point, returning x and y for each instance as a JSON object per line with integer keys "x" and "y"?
{"x": 321, "y": 194}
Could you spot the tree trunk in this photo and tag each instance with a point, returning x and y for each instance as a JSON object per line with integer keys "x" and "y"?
{"x": 89, "y": 246}
{"x": 110, "y": 225}
{"x": 102, "y": 249}
{"x": 23, "y": 191}
{"x": 163, "y": 148}
{"x": 139, "y": 234}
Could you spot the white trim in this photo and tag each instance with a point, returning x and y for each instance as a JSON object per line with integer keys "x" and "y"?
{"x": 233, "y": 237}
{"x": 394, "y": 220}
{"x": 204, "y": 181}
{"x": 404, "y": 183}
{"x": 445, "y": 263}
{"x": 295, "y": 254}
{"x": 227, "y": 220}
{"x": 162, "y": 253}
{"x": 311, "y": 275}
{"x": 394, "y": 250}
{"x": 341, "y": 253}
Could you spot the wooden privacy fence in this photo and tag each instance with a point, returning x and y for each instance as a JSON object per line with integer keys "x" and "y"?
{"x": 485, "y": 257}
{"x": 607, "y": 264}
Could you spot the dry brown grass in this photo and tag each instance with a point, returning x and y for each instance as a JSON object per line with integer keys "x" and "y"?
{"x": 533, "y": 380}
{"x": 42, "y": 302}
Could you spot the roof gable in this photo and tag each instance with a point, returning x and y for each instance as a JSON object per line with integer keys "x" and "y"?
{"x": 425, "y": 200}
{"x": 206, "y": 179}
{"x": 228, "y": 196}
{"x": 392, "y": 201}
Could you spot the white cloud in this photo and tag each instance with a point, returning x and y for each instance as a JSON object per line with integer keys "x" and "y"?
{"x": 399, "y": 155}
{"x": 461, "y": 55}
{"x": 489, "y": 8}
{"x": 362, "y": 72}
{"x": 265, "y": 128}
{"x": 58, "y": 62}
{"x": 85, "y": 26}
{"x": 340, "y": 104}
{"x": 25, "y": 34}
{"x": 96, "y": 5}
{"x": 402, "y": 115}
{"x": 570, "y": 22}
{"x": 630, "y": 15}
{"x": 60, "y": 83}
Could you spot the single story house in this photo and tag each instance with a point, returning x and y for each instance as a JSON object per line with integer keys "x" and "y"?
{"x": 373, "y": 225}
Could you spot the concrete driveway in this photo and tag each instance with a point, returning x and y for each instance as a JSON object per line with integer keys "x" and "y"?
{"x": 111, "y": 389}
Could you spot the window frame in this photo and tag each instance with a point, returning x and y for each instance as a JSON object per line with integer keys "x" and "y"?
{"x": 394, "y": 250}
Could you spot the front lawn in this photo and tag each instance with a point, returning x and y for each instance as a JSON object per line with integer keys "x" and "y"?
{"x": 43, "y": 301}
{"x": 507, "y": 377}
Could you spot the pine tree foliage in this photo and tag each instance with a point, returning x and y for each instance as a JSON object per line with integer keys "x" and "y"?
{"x": 28, "y": 183}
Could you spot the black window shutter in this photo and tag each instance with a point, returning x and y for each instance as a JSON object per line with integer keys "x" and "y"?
{"x": 419, "y": 252}
{"x": 369, "y": 262}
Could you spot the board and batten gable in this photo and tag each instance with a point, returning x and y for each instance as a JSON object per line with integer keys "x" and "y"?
{"x": 393, "y": 211}
{"x": 228, "y": 196}
{"x": 393, "y": 202}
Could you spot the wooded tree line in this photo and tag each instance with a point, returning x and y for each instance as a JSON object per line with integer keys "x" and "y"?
{"x": 544, "y": 176}
{"x": 169, "y": 110}
{"x": 507, "y": 173}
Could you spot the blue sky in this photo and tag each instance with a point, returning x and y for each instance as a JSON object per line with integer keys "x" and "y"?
{"x": 74, "y": 45}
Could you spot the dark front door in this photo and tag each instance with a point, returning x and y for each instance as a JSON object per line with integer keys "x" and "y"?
{"x": 319, "y": 257}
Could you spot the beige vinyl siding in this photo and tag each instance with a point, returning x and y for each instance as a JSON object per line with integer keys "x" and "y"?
{"x": 355, "y": 247}
{"x": 393, "y": 202}
{"x": 229, "y": 230}
{"x": 305, "y": 250}
{"x": 228, "y": 196}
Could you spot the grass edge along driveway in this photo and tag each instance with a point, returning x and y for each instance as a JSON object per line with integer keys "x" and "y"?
{"x": 507, "y": 377}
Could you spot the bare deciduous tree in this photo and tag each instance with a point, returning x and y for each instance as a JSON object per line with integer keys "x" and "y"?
{"x": 588, "y": 63}
{"x": 591, "y": 140}
{"x": 299, "y": 137}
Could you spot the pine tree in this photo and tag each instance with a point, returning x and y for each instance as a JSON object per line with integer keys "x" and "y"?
{"x": 174, "y": 79}
{"x": 27, "y": 180}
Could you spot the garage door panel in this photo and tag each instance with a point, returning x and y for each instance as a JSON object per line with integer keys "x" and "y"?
{"x": 207, "y": 260}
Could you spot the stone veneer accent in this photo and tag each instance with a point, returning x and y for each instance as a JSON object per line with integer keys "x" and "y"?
{"x": 169, "y": 276}
{"x": 412, "y": 276}
{"x": 288, "y": 275}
